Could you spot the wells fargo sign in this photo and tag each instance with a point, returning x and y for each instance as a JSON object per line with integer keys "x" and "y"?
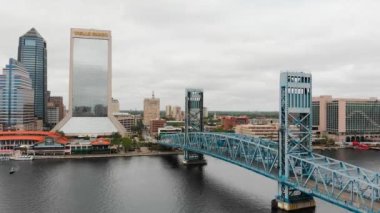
{"x": 91, "y": 33}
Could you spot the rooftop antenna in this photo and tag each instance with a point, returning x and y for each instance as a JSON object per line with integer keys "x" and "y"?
{"x": 152, "y": 94}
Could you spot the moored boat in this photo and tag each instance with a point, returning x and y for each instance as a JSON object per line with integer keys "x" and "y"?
{"x": 22, "y": 157}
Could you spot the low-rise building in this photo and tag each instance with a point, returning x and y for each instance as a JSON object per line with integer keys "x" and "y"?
{"x": 127, "y": 120}
{"x": 168, "y": 130}
{"x": 229, "y": 122}
{"x": 268, "y": 131}
{"x": 155, "y": 125}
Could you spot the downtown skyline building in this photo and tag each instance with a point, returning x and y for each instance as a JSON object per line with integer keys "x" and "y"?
{"x": 90, "y": 86}
{"x": 32, "y": 54}
{"x": 16, "y": 97}
{"x": 151, "y": 110}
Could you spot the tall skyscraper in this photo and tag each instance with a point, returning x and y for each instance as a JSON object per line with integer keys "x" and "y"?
{"x": 151, "y": 109}
{"x": 16, "y": 97}
{"x": 90, "y": 93}
{"x": 32, "y": 53}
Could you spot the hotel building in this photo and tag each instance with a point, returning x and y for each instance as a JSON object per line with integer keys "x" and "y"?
{"x": 346, "y": 119}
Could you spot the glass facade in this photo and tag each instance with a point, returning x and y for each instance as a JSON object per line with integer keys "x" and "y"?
{"x": 16, "y": 96}
{"x": 315, "y": 113}
{"x": 362, "y": 117}
{"x": 32, "y": 53}
{"x": 90, "y": 77}
{"x": 332, "y": 117}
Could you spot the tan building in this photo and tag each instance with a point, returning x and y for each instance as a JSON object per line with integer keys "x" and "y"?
{"x": 176, "y": 112}
{"x": 115, "y": 106}
{"x": 151, "y": 109}
{"x": 268, "y": 131}
{"x": 168, "y": 111}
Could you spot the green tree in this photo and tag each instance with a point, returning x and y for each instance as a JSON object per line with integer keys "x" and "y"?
{"x": 116, "y": 138}
{"x": 126, "y": 143}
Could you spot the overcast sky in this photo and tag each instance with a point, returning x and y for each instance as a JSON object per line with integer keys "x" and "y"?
{"x": 233, "y": 49}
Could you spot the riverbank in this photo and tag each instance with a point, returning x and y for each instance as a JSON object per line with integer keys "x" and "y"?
{"x": 128, "y": 154}
{"x": 329, "y": 147}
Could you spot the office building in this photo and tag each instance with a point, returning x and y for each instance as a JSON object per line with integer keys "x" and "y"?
{"x": 16, "y": 97}
{"x": 151, "y": 109}
{"x": 229, "y": 122}
{"x": 267, "y": 131}
{"x": 52, "y": 114}
{"x": 115, "y": 106}
{"x": 33, "y": 55}
{"x": 347, "y": 119}
{"x": 168, "y": 111}
{"x": 58, "y": 102}
{"x": 177, "y": 113}
{"x": 155, "y": 125}
{"x": 205, "y": 112}
{"x": 128, "y": 121}
{"x": 90, "y": 90}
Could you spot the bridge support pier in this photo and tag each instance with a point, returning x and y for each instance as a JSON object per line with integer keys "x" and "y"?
{"x": 296, "y": 204}
{"x": 191, "y": 158}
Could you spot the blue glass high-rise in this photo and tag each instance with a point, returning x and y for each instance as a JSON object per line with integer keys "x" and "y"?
{"x": 32, "y": 53}
{"x": 16, "y": 97}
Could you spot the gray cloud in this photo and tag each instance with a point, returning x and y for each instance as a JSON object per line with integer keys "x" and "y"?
{"x": 235, "y": 50}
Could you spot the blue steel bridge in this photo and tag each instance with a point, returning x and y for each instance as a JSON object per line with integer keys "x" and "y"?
{"x": 334, "y": 181}
{"x": 301, "y": 174}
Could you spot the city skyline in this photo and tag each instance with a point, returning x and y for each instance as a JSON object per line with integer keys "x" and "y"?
{"x": 229, "y": 49}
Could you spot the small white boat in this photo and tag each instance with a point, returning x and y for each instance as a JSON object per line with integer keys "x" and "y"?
{"x": 22, "y": 157}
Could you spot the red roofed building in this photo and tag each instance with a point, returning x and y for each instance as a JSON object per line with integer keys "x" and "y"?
{"x": 36, "y": 142}
{"x": 229, "y": 122}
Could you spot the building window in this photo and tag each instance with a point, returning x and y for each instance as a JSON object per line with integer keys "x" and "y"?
{"x": 30, "y": 42}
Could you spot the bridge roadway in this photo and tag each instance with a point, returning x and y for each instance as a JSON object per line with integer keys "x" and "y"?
{"x": 351, "y": 187}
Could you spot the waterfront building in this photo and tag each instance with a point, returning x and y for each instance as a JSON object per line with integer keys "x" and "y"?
{"x": 155, "y": 125}
{"x": 16, "y": 97}
{"x": 90, "y": 89}
{"x": 33, "y": 55}
{"x": 151, "y": 109}
{"x": 347, "y": 119}
{"x": 34, "y": 142}
{"x": 229, "y": 122}
{"x": 267, "y": 131}
{"x": 169, "y": 130}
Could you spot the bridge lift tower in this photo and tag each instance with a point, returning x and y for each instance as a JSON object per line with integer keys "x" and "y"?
{"x": 295, "y": 135}
{"x": 193, "y": 122}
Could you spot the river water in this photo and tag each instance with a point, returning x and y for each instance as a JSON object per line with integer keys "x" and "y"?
{"x": 145, "y": 184}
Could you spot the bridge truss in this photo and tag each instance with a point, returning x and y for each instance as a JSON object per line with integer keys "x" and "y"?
{"x": 351, "y": 187}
